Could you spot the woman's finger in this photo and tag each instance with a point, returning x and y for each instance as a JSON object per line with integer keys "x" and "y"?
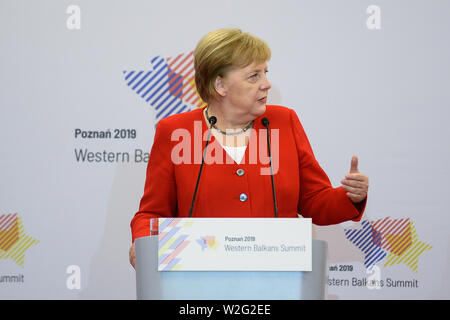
{"x": 357, "y": 191}
{"x": 355, "y": 184}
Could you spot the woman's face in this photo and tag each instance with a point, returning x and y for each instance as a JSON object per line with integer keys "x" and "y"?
{"x": 245, "y": 90}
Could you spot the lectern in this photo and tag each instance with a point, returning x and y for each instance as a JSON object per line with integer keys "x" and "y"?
{"x": 152, "y": 284}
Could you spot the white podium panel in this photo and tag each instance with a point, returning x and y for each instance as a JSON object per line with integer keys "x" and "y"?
{"x": 234, "y": 244}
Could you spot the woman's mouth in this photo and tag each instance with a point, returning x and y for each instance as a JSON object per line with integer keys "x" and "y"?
{"x": 263, "y": 100}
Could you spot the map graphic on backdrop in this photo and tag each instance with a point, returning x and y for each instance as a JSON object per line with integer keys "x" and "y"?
{"x": 13, "y": 240}
{"x": 169, "y": 85}
{"x": 390, "y": 241}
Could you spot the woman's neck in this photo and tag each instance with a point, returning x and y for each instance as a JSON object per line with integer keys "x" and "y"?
{"x": 238, "y": 140}
{"x": 227, "y": 119}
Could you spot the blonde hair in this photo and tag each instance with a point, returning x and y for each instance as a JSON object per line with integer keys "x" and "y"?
{"x": 221, "y": 50}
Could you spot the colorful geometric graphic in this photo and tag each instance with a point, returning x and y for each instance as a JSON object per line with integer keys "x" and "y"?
{"x": 394, "y": 241}
{"x": 13, "y": 240}
{"x": 169, "y": 85}
{"x": 208, "y": 242}
{"x": 171, "y": 243}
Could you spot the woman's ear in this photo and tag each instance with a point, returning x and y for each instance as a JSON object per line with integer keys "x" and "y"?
{"x": 219, "y": 86}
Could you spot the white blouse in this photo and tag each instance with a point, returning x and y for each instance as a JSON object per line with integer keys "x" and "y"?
{"x": 237, "y": 153}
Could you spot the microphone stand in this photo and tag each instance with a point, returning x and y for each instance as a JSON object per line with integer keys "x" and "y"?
{"x": 212, "y": 121}
{"x": 265, "y": 123}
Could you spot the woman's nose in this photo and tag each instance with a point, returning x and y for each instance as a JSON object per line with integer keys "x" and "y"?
{"x": 266, "y": 85}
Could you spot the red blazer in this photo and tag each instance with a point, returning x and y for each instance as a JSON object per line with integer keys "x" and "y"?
{"x": 302, "y": 187}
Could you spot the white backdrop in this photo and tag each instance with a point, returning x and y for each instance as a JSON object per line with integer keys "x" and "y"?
{"x": 366, "y": 77}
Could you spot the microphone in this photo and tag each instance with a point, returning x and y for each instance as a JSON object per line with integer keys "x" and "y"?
{"x": 212, "y": 121}
{"x": 265, "y": 123}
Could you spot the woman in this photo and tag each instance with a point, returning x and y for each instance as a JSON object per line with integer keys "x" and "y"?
{"x": 236, "y": 181}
